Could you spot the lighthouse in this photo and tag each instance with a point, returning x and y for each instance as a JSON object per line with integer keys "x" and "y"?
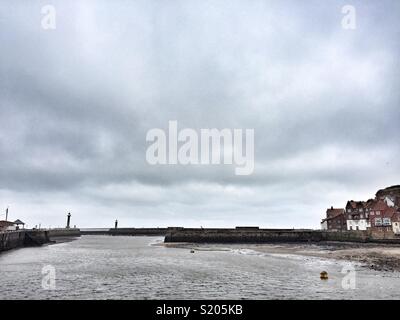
{"x": 68, "y": 219}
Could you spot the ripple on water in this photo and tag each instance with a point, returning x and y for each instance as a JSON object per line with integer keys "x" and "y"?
{"x": 101, "y": 267}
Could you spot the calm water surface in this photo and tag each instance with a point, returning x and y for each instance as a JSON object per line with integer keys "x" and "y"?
{"x": 103, "y": 267}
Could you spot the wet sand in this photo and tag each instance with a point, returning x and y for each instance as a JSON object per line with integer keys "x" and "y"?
{"x": 380, "y": 257}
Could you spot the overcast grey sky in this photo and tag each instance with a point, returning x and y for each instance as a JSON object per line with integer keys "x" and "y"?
{"x": 76, "y": 103}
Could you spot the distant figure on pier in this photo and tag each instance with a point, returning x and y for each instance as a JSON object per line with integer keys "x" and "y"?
{"x": 116, "y": 224}
{"x": 68, "y": 219}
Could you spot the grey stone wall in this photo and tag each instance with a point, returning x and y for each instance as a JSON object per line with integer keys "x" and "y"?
{"x": 11, "y": 240}
{"x": 64, "y": 232}
{"x": 269, "y": 236}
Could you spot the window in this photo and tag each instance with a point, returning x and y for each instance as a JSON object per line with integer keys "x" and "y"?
{"x": 348, "y": 210}
{"x": 360, "y": 210}
{"x": 378, "y": 221}
{"x": 372, "y": 213}
{"x": 361, "y": 216}
{"x": 378, "y": 213}
{"x": 386, "y": 221}
{"x": 357, "y": 228}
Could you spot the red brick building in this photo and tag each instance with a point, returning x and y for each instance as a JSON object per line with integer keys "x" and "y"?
{"x": 380, "y": 216}
{"x": 334, "y": 221}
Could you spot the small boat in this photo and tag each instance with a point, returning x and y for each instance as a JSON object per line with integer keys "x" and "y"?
{"x": 323, "y": 275}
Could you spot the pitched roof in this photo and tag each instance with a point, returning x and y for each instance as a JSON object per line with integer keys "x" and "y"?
{"x": 369, "y": 203}
{"x": 18, "y": 222}
{"x": 379, "y": 205}
{"x": 356, "y": 204}
{"x": 352, "y": 204}
{"x": 333, "y": 212}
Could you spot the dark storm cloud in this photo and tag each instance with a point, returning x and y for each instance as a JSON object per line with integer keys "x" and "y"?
{"x": 76, "y": 103}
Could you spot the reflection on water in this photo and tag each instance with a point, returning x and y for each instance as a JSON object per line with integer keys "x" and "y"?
{"x": 104, "y": 267}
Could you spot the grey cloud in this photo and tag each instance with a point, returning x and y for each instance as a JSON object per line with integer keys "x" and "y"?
{"x": 76, "y": 103}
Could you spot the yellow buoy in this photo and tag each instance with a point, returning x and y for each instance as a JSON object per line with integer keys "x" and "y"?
{"x": 323, "y": 275}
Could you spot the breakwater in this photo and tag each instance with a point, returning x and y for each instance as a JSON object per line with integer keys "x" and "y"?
{"x": 22, "y": 238}
{"x": 25, "y": 238}
{"x": 11, "y": 240}
{"x": 247, "y": 235}
{"x": 256, "y": 235}
{"x": 95, "y": 231}
{"x": 126, "y": 231}
{"x": 138, "y": 232}
{"x": 63, "y": 232}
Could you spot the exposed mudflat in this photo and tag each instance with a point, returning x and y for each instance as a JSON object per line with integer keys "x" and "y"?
{"x": 375, "y": 256}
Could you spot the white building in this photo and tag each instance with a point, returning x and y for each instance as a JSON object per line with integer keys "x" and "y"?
{"x": 358, "y": 224}
{"x": 396, "y": 222}
{"x": 357, "y": 215}
{"x": 396, "y": 227}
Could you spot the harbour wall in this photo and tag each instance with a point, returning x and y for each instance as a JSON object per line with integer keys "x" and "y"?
{"x": 138, "y": 231}
{"x": 26, "y": 238}
{"x": 126, "y": 231}
{"x": 12, "y": 239}
{"x": 95, "y": 231}
{"x": 22, "y": 238}
{"x": 36, "y": 237}
{"x": 247, "y": 235}
{"x": 64, "y": 232}
{"x": 255, "y": 235}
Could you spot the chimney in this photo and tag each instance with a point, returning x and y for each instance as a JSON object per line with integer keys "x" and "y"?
{"x": 331, "y": 207}
{"x": 116, "y": 224}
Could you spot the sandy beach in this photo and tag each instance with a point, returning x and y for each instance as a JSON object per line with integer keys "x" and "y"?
{"x": 375, "y": 256}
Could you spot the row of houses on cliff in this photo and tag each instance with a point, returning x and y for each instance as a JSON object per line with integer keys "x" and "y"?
{"x": 381, "y": 214}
